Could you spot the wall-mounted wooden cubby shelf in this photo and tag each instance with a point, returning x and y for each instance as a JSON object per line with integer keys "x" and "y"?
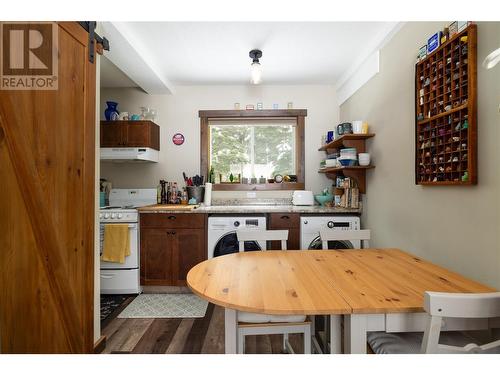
{"x": 446, "y": 113}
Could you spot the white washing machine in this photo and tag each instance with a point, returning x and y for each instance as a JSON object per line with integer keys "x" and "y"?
{"x": 311, "y": 225}
{"x": 222, "y": 237}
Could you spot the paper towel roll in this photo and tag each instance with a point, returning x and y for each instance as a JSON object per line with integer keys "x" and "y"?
{"x": 208, "y": 194}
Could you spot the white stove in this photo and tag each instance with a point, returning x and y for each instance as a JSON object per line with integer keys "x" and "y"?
{"x": 117, "y": 278}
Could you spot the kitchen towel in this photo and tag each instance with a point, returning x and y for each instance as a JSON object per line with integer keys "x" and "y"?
{"x": 116, "y": 243}
{"x": 208, "y": 194}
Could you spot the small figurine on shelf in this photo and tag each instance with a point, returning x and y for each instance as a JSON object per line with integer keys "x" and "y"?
{"x": 465, "y": 176}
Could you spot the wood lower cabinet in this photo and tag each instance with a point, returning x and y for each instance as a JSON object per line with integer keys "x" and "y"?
{"x": 188, "y": 250}
{"x": 130, "y": 134}
{"x": 156, "y": 256}
{"x": 171, "y": 244}
{"x": 288, "y": 221}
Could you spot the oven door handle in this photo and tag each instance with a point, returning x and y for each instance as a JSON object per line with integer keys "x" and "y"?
{"x": 109, "y": 276}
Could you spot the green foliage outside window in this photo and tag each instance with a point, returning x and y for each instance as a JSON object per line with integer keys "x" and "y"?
{"x": 252, "y": 150}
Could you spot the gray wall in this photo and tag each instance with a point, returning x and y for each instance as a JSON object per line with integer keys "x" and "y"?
{"x": 456, "y": 227}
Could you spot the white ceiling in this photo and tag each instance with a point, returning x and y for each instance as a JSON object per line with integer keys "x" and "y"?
{"x": 112, "y": 76}
{"x": 217, "y": 52}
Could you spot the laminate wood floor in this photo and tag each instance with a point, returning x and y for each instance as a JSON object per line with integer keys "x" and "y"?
{"x": 178, "y": 336}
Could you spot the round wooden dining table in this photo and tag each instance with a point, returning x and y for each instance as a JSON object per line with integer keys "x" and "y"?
{"x": 270, "y": 282}
{"x": 374, "y": 289}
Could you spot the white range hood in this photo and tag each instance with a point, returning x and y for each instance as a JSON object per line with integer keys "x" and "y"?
{"x": 129, "y": 154}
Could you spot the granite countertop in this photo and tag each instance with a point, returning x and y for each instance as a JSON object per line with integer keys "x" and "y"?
{"x": 251, "y": 209}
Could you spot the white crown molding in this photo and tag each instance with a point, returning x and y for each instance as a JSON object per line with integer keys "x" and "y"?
{"x": 366, "y": 65}
{"x": 128, "y": 54}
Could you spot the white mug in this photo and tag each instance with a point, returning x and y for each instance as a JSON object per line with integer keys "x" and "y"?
{"x": 357, "y": 127}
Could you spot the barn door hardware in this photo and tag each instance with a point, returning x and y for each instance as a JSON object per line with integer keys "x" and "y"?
{"x": 93, "y": 38}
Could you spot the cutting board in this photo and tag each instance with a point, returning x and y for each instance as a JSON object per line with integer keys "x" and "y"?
{"x": 173, "y": 207}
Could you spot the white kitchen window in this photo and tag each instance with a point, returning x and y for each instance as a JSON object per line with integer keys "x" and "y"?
{"x": 252, "y": 148}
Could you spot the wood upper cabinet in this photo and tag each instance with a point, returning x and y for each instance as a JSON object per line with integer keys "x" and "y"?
{"x": 288, "y": 221}
{"x": 171, "y": 244}
{"x": 130, "y": 134}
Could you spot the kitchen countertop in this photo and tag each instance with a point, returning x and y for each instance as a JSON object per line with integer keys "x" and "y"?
{"x": 251, "y": 209}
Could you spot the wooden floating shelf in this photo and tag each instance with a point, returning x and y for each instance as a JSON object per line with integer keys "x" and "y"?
{"x": 342, "y": 169}
{"x": 340, "y": 141}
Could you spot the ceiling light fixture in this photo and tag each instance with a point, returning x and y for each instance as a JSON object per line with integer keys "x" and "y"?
{"x": 492, "y": 59}
{"x": 256, "y": 68}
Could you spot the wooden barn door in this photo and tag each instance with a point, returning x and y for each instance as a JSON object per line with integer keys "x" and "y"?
{"x": 47, "y": 150}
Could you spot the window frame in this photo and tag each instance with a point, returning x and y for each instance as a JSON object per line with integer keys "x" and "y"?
{"x": 299, "y": 116}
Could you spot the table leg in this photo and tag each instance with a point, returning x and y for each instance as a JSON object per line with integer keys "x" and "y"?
{"x": 335, "y": 334}
{"x": 231, "y": 331}
{"x": 355, "y": 334}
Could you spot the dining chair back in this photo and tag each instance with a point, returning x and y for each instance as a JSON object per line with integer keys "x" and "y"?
{"x": 263, "y": 236}
{"x": 326, "y": 235}
{"x": 265, "y": 324}
{"x": 458, "y": 305}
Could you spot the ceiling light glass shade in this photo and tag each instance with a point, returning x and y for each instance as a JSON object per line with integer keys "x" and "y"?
{"x": 256, "y": 70}
{"x": 492, "y": 59}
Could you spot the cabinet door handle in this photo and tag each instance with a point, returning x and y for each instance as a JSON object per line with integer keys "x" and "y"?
{"x": 285, "y": 217}
{"x": 174, "y": 233}
{"x": 171, "y": 217}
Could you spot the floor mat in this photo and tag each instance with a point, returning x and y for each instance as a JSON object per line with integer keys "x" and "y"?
{"x": 165, "y": 306}
{"x": 110, "y": 303}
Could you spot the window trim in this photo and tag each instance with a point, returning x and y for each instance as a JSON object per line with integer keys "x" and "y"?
{"x": 298, "y": 114}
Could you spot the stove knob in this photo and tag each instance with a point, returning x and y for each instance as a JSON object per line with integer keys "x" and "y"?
{"x": 106, "y": 216}
{"x": 113, "y": 216}
{"x": 100, "y": 216}
{"x": 119, "y": 216}
{"x": 236, "y": 224}
{"x": 306, "y": 222}
{"x": 330, "y": 224}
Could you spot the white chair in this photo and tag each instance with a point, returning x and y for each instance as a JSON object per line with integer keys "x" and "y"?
{"x": 265, "y": 324}
{"x": 439, "y": 306}
{"x": 327, "y": 235}
{"x": 345, "y": 235}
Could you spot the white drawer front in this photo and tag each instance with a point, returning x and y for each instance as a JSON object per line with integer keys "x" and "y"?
{"x": 120, "y": 281}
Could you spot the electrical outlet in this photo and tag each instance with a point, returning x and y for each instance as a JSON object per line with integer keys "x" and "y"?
{"x": 251, "y": 194}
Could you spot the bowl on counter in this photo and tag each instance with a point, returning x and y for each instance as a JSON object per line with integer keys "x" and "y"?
{"x": 322, "y": 199}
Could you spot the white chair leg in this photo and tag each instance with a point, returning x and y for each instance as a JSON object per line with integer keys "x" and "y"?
{"x": 285, "y": 339}
{"x": 231, "y": 331}
{"x": 307, "y": 339}
{"x": 335, "y": 334}
{"x": 430, "y": 341}
{"x": 241, "y": 342}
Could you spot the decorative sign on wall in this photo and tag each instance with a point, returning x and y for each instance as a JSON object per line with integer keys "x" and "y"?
{"x": 178, "y": 139}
